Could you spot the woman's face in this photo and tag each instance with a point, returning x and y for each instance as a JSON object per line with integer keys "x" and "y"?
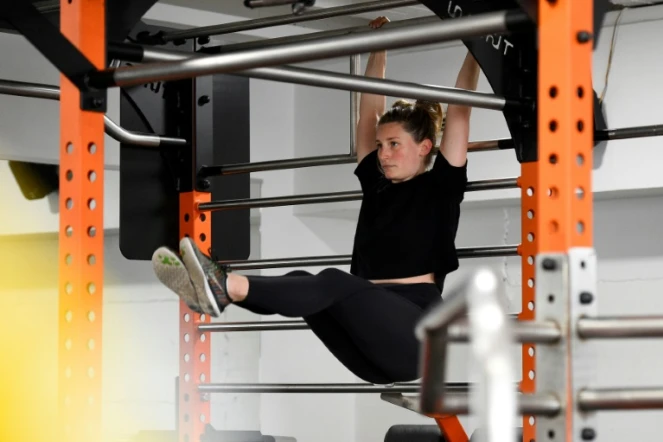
{"x": 401, "y": 157}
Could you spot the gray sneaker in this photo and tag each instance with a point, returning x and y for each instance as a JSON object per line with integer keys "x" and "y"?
{"x": 208, "y": 277}
{"x": 172, "y": 273}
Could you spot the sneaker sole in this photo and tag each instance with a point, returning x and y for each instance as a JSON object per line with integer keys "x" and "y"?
{"x": 195, "y": 269}
{"x": 172, "y": 273}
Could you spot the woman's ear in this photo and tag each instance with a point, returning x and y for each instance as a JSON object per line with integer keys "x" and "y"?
{"x": 425, "y": 147}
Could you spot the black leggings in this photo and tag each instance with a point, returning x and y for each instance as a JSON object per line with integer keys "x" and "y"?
{"x": 368, "y": 327}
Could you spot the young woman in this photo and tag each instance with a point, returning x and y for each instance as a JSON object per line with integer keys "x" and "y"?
{"x": 403, "y": 246}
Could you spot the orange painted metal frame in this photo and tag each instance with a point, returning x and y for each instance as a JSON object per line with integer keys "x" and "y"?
{"x": 195, "y": 357}
{"x": 81, "y": 232}
{"x": 556, "y": 190}
{"x": 451, "y": 428}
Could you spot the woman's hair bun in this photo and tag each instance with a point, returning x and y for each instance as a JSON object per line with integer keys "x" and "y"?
{"x": 434, "y": 110}
{"x": 403, "y": 104}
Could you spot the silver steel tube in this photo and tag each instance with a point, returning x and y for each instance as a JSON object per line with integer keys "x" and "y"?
{"x": 117, "y": 132}
{"x": 391, "y": 88}
{"x": 613, "y": 328}
{"x": 629, "y": 132}
{"x": 253, "y": 326}
{"x": 328, "y": 160}
{"x": 621, "y": 399}
{"x": 356, "y": 83}
{"x": 542, "y": 332}
{"x": 122, "y": 135}
{"x": 339, "y": 260}
{"x": 266, "y": 3}
{"x": 315, "y": 198}
{"x": 313, "y": 261}
{"x": 335, "y": 197}
{"x": 295, "y": 163}
{"x": 259, "y": 44}
{"x": 355, "y": 68}
{"x": 32, "y": 90}
{"x": 287, "y": 19}
{"x": 308, "y": 388}
{"x": 536, "y": 404}
{"x": 324, "y": 48}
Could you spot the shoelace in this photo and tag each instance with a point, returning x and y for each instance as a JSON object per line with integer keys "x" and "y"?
{"x": 217, "y": 262}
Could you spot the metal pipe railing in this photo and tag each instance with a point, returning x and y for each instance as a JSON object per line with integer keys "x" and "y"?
{"x": 476, "y": 146}
{"x": 541, "y": 332}
{"x": 536, "y": 404}
{"x": 253, "y": 326}
{"x": 117, "y": 132}
{"x": 331, "y": 80}
{"x": 327, "y": 160}
{"x": 378, "y": 86}
{"x": 494, "y": 401}
{"x": 334, "y": 197}
{"x": 355, "y": 68}
{"x": 625, "y": 327}
{"x": 319, "y": 388}
{"x": 280, "y": 20}
{"x": 322, "y": 48}
{"x": 629, "y": 132}
{"x": 339, "y": 260}
{"x": 621, "y": 399}
{"x": 524, "y": 332}
{"x": 250, "y": 45}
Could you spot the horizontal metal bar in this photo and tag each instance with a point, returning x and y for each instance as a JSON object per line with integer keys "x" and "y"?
{"x": 288, "y": 39}
{"x": 117, "y": 132}
{"x": 332, "y": 160}
{"x": 390, "y": 88}
{"x": 295, "y": 163}
{"x": 356, "y": 83}
{"x": 339, "y": 260}
{"x": 537, "y": 404}
{"x": 475, "y": 146}
{"x": 546, "y": 336}
{"x": 627, "y": 327}
{"x": 253, "y": 326}
{"x": 328, "y": 160}
{"x": 316, "y": 198}
{"x": 621, "y": 399}
{"x": 323, "y": 48}
{"x": 629, "y": 132}
{"x": 319, "y": 388}
{"x": 542, "y": 332}
{"x": 320, "y": 14}
{"x": 267, "y": 3}
{"x": 335, "y": 197}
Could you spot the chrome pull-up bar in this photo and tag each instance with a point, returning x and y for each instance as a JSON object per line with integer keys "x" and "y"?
{"x": 338, "y": 260}
{"x": 117, "y": 132}
{"x": 316, "y": 49}
{"x": 329, "y": 80}
{"x": 334, "y": 197}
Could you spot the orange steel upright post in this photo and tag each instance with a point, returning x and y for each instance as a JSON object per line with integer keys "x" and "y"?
{"x": 81, "y": 231}
{"x": 195, "y": 357}
{"x": 556, "y": 189}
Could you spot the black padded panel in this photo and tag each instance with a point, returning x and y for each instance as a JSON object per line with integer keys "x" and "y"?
{"x": 414, "y": 433}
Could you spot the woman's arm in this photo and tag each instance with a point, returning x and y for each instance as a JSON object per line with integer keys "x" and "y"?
{"x": 371, "y": 107}
{"x": 455, "y": 138}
